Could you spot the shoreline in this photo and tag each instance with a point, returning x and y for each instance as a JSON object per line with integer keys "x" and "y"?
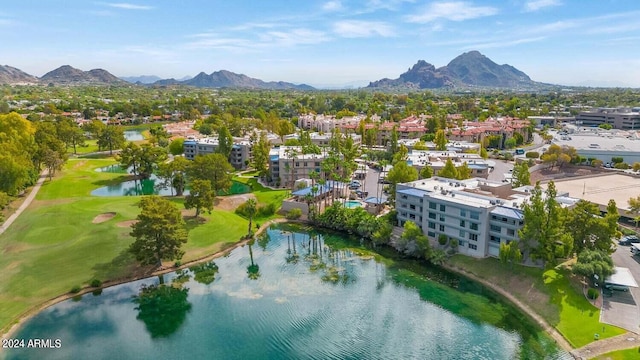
{"x": 25, "y": 316}
{"x": 553, "y": 333}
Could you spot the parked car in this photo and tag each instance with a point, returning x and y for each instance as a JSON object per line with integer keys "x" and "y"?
{"x": 616, "y": 287}
{"x": 628, "y": 240}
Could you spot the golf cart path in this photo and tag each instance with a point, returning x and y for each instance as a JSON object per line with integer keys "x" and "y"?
{"x": 25, "y": 204}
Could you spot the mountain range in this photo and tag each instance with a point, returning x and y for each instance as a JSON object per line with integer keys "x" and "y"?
{"x": 468, "y": 70}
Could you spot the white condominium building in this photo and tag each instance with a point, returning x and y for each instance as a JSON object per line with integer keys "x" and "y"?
{"x": 478, "y": 213}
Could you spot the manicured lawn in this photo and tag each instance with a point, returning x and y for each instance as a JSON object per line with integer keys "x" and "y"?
{"x": 90, "y": 146}
{"x": 54, "y": 245}
{"x": 629, "y": 354}
{"x": 550, "y": 293}
{"x": 263, "y": 194}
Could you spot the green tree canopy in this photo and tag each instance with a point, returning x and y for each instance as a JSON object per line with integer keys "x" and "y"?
{"x": 521, "y": 175}
{"x": 159, "y": 232}
{"x": 594, "y": 262}
{"x": 440, "y": 140}
{"x": 449, "y": 170}
{"x": 214, "y": 168}
{"x": 200, "y": 196}
{"x": 542, "y": 225}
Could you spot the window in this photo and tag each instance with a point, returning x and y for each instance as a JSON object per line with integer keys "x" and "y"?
{"x": 317, "y": 163}
{"x": 297, "y": 164}
{"x": 463, "y": 213}
{"x": 442, "y": 207}
{"x": 441, "y": 228}
{"x": 432, "y": 215}
{"x": 473, "y": 246}
{"x": 496, "y": 228}
{"x": 494, "y": 239}
{"x": 473, "y": 237}
{"x": 304, "y": 164}
{"x": 412, "y": 207}
{"x": 432, "y": 225}
{"x": 511, "y": 232}
{"x": 462, "y": 223}
{"x": 431, "y": 234}
{"x": 474, "y": 226}
{"x": 474, "y": 215}
{"x": 432, "y": 205}
{"x": 462, "y": 232}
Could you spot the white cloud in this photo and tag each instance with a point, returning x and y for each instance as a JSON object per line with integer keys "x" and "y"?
{"x": 390, "y": 5}
{"x": 453, "y": 11}
{"x": 501, "y": 44}
{"x": 333, "y": 5}
{"x": 536, "y": 5}
{"x": 292, "y": 37}
{"x": 358, "y": 29}
{"x": 128, "y": 6}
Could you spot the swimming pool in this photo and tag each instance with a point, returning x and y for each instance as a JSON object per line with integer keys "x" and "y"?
{"x": 351, "y": 204}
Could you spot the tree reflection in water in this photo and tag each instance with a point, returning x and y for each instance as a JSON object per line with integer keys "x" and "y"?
{"x": 162, "y": 308}
{"x": 205, "y": 273}
{"x": 253, "y": 270}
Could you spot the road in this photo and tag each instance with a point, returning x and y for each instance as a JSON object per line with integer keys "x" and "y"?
{"x": 25, "y": 204}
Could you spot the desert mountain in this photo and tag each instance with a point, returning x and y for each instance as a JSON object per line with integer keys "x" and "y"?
{"x": 471, "y": 69}
{"x": 228, "y": 79}
{"x": 70, "y": 75}
{"x": 142, "y": 79}
{"x": 11, "y": 75}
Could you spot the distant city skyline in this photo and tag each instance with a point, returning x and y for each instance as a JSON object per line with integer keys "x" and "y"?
{"x": 330, "y": 43}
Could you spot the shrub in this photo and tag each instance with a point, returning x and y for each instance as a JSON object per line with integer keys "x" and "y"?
{"x": 294, "y": 214}
{"x": 617, "y": 159}
{"x": 593, "y": 293}
{"x": 621, "y": 165}
{"x": 95, "y": 283}
{"x": 442, "y": 239}
{"x": 178, "y": 263}
{"x": 76, "y": 289}
{"x": 267, "y": 210}
{"x": 532, "y": 155}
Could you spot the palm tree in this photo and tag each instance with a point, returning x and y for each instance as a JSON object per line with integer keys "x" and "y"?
{"x": 251, "y": 208}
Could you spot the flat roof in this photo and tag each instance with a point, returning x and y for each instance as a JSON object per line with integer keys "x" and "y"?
{"x": 600, "y": 141}
{"x": 600, "y": 189}
{"x": 621, "y": 276}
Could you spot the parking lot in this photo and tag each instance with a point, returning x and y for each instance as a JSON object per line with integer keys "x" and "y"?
{"x": 621, "y": 308}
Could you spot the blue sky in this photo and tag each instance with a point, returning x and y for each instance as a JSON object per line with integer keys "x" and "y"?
{"x": 325, "y": 43}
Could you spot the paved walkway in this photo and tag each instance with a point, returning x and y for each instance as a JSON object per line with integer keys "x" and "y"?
{"x": 25, "y": 204}
{"x": 597, "y": 348}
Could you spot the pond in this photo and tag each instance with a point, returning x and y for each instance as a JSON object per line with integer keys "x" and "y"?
{"x": 292, "y": 295}
{"x": 133, "y": 135}
{"x": 150, "y": 186}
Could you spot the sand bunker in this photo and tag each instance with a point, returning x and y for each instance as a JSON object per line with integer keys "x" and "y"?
{"x": 103, "y": 217}
{"x": 230, "y": 203}
{"x": 126, "y": 224}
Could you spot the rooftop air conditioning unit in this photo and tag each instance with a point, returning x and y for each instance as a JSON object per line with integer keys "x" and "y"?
{"x": 435, "y": 187}
{"x": 453, "y": 195}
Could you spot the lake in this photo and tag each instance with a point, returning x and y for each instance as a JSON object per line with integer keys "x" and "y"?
{"x": 149, "y": 186}
{"x": 294, "y": 294}
{"x": 133, "y": 135}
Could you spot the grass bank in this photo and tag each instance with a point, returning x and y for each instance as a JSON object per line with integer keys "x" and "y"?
{"x": 629, "y": 354}
{"x": 553, "y": 294}
{"x": 57, "y": 243}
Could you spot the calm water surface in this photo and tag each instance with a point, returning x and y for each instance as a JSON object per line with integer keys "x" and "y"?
{"x": 151, "y": 186}
{"x": 289, "y": 296}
